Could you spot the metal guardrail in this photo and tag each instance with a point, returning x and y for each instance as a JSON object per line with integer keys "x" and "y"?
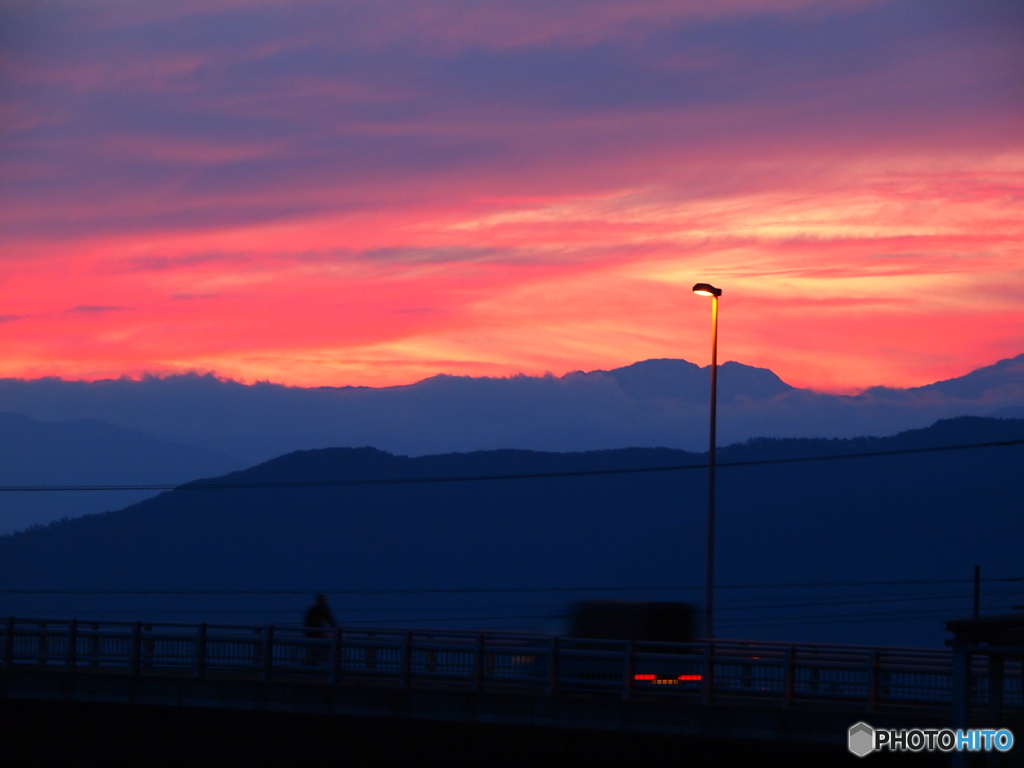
{"x": 705, "y": 670}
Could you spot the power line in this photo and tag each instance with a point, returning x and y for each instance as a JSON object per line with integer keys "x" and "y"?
{"x": 498, "y": 590}
{"x": 921, "y": 615}
{"x": 746, "y": 609}
{"x": 867, "y": 601}
{"x": 201, "y": 485}
{"x": 239, "y": 592}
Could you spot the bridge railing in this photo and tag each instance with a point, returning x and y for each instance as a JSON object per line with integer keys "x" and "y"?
{"x": 720, "y": 669}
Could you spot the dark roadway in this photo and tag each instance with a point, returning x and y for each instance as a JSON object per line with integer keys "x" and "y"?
{"x": 60, "y": 733}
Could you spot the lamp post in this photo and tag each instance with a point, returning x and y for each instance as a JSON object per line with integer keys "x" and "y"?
{"x": 704, "y": 289}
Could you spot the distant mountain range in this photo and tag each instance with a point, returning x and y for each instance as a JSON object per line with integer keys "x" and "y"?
{"x": 171, "y": 430}
{"x": 858, "y": 550}
{"x": 88, "y": 452}
{"x": 656, "y": 403}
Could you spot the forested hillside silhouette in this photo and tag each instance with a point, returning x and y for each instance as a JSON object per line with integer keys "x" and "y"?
{"x": 900, "y": 518}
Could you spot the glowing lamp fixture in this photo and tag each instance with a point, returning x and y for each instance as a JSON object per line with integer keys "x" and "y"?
{"x": 704, "y": 289}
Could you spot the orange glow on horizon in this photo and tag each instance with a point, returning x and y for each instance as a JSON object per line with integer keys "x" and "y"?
{"x": 401, "y": 303}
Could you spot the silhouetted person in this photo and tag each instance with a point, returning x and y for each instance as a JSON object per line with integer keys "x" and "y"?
{"x": 318, "y": 619}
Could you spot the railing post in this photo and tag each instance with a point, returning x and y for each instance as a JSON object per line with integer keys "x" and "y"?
{"x": 43, "y": 644}
{"x": 148, "y": 647}
{"x": 69, "y": 652}
{"x": 94, "y": 645}
{"x": 627, "y": 674}
{"x": 9, "y": 643}
{"x": 709, "y": 672}
{"x": 790, "y": 675}
{"x": 553, "y": 666}
{"x": 431, "y": 656}
{"x": 371, "y": 653}
{"x": 201, "y": 651}
{"x": 478, "y": 662}
{"x": 136, "y": 647}
{"x": 336, "y": 654}
{"x": 874, "y": 672}
{"x": 406, "y": 658}
{"x": 961, "y": 697}
{"x": 995, "y": 688}
{"x": 268, "y": 653}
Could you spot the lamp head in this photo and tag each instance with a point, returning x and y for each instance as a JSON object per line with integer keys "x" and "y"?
{"x": 706, "y": 289}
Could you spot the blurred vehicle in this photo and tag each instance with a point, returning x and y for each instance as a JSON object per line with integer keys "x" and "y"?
{"x": 622, "y": 620}
{"x": 607, "y": 640}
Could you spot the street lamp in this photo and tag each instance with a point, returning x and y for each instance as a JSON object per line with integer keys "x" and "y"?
{"x": 704, "y": 289}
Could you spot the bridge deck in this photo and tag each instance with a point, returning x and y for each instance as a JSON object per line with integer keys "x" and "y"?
{"x": 788, "y": 692}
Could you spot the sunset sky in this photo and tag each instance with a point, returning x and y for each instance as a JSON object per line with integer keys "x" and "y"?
{"x": 370, "y": 193}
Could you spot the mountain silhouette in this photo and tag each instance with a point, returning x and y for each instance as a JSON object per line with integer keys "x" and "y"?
{"x": 898, "y": 520}
{"x": 655, "y": 403}
{"x": 687, "y": 382}
{"x": 87, "y": 452}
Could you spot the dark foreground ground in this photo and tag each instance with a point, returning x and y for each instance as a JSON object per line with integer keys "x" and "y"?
{"x": 33, "y": 733}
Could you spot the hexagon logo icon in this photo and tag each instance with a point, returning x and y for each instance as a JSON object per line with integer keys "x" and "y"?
{"x": 861, "y": 739}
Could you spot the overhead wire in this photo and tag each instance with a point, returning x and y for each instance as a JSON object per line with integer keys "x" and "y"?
{"x": 203, "y": 485}
{"x": 498, "y": 590}
{"x": 820, "y": 619}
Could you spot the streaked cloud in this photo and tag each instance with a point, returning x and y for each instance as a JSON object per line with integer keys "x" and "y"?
{"x": 95, "y": 309}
